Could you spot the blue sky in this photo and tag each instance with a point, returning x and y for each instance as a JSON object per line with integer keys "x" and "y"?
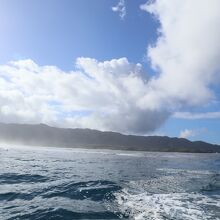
{"x": 56, "y": 33}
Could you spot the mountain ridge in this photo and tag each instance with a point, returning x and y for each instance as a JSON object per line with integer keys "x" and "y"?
{"x": 45, "y": 135}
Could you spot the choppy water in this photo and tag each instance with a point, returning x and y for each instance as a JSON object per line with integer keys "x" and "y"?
{"x": 52, "y": 183}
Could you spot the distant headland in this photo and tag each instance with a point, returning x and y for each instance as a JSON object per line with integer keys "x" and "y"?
{"x": 44, "y": 135}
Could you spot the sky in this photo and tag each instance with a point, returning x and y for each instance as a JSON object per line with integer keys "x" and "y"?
{"x": 135, "y": 67}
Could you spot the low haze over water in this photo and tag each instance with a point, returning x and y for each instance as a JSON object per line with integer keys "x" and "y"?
{"x": 53, "y": 183}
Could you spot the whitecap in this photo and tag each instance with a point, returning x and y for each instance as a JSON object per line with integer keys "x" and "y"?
{"x": 145, "y": 206}
{"x": 166, "y": 197}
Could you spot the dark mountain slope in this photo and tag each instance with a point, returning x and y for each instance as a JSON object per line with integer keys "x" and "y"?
{"x": 44, "y": 135}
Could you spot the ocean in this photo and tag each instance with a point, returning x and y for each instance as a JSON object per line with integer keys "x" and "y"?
{"x": 59, "y": 183}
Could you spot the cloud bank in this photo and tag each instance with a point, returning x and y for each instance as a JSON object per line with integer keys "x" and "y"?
{"x": 118, "y": 95}
{"x": 101, "y": 95}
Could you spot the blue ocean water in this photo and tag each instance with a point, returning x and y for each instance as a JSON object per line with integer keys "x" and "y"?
{"x": 58, "y": 183}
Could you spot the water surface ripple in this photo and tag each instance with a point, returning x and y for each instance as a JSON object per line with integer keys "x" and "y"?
{"x": 58, "y": 183}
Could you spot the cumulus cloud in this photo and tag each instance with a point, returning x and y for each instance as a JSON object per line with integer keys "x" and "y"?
{"x": 120, "y": 8}
{"x": 187, "y": 52}
{"x": 116, "y": 94}
{"x": 187, "y": 133}
{"x": 101, "y": 95}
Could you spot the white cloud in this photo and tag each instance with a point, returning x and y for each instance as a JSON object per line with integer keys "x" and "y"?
{"x": 187, "y": 133}
{"x": 192, "y": 116}
{"x": 120, "y": 8}
{"x": 118, "y": 95}
{"x": 186, "y": 54}
{"x": 101, "y": 95}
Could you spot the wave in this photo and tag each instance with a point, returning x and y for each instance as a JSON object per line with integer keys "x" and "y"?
{"x": 176, "y": 206}
{"x": 14, "y": 178}
{"x": 60, "y": 213}
{"x": 195, "y": 196}
{"x": 60, "y": 200}
{"x": 93, "y": 190}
